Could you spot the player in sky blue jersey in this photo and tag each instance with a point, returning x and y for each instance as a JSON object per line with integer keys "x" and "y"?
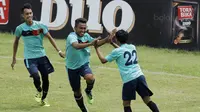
{"x": 35, "y": 59}
{"x": 132, "y": 76}
{"x": 77, "y": 61}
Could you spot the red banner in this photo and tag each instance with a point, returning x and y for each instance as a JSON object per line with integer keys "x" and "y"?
{"x": 4, "y": 11}
{"x": 185, "y": 12}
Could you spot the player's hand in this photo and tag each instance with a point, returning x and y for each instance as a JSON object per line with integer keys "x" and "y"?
{"x": 96, "y": 44}
{"x": 61, "y": 54}
{"x": 13, "y": 63}
{"x": 95, "y": 41}
{"x": 112, "y": 35}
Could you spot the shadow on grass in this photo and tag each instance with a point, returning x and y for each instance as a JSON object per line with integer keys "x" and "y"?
{"x": 19, "y": 107}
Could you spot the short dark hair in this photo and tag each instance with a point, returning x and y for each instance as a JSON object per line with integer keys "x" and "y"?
{"x": 26, "y": 6}
{"x": 80, "y": 20}
{"x": 122, "y": 36}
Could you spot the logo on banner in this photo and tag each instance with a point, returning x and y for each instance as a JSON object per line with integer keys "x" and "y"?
{"x": 4, "y": 11}
{"x": 185, "y": 12}
{"x": 95, "y": 14}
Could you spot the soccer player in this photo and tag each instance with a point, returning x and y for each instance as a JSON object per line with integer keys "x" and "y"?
{"x": 35, "y": 59}
{"x": 77, "y": 61}
{"x": 133, "y": 79}
{"x": 179, "y": 37}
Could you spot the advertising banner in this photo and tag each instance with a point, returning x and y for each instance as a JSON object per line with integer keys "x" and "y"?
{"x": 155, "y": 23}
{"x": 4, "y": 11}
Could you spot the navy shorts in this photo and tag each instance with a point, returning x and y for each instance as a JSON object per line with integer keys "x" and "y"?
{"x": 139, "y": 84}
{"x": 41, "y": 64}
{"x": 75, "y": 75}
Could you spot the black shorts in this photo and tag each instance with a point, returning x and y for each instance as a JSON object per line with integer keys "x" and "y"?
{"x": 139, "y": 84}
{"x": 75, "y": 75}
{"x": 41, "y": 64}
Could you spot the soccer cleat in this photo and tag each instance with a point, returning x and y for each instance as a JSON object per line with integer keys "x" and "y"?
{"x": 89, "y": 97}
{"x": 45, "y": 103}
{"x": 38, "y": 96}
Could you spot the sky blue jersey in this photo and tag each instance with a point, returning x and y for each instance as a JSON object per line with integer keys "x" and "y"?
{"x": 75, "y": 58}
{"x": 127, "y": 61}
{"x": 33, "y": 39}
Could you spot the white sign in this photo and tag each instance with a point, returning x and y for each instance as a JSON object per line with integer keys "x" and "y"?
{"x": 94, "y": 16}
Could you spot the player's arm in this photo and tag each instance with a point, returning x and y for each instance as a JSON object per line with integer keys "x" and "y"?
{"x": 113, "y": 38}
{"x": 114, "y": 44}
{"x": 108, "y": 39}
{"x": 103, "y": 41}
{"x": 100, "y": 56}
{"x": 15, "y": 47}
{"x": 52, "y": 41}
{"x": 83, "y": 45}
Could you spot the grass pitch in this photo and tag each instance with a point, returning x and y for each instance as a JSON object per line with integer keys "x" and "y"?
{"x": 173, "y": 76}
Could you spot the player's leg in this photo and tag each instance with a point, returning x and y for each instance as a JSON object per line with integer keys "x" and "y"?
{"x": 45, "y": 86}
{"x": 31, "y": 65}
{"x": 88, "y": 90}
{"x": 79, "y": 100}
{"x": 37, "y": 83}
{"x": 45, "y": 68}
{"x": 74, "y": 79}
{"x": 147, "y": 100}
{"x": 127, "y": 107}
{"x": 128, "y": 94}
{"x": 90, "y": 80}
{"x": 145, "y": 93}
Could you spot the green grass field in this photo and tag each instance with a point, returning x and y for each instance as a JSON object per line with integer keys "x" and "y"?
{"x": 173, "y": 76}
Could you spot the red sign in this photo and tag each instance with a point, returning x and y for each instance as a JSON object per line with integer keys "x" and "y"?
{"x": 4, "y": 11}
{"x": 185, "y": 12}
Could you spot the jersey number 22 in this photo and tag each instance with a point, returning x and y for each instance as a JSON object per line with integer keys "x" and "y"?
{"x": 132, "y": 57}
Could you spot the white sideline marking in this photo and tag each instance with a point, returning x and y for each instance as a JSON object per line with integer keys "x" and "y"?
{"x": 114, "y": 69}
